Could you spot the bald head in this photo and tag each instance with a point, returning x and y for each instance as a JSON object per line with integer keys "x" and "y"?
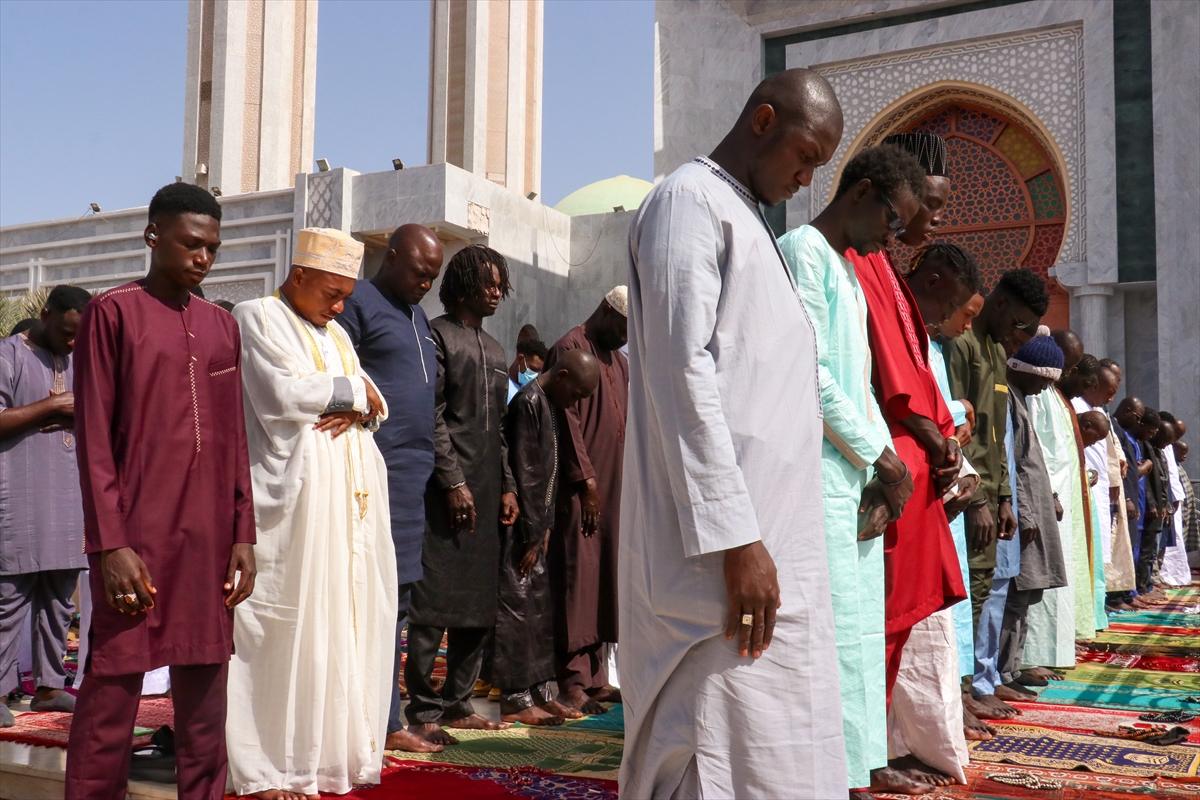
{"x": 411, "y": 264}
{"x": 1072, "y": 347}
{"x": 573, "y": 377}
{"x": 790, "y": 125}
{"x": 1093, "y": 427}
{"x": 1129, "y": 411}
{"x": 798, "y": 97}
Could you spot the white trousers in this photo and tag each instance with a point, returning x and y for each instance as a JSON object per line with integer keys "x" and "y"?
{"x": 926, "y": 717}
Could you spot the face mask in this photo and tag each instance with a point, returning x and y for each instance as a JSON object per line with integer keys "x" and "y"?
{"x": 525, "y": 377}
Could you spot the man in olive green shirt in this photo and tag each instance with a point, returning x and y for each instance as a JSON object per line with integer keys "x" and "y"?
{"x": 976, "y": 364}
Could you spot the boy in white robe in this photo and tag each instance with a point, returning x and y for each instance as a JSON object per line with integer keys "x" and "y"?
{"x": 309, "y": 685}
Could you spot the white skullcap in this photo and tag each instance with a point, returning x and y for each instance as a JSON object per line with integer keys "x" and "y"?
{"x": 329, "y": 250}
{"x": 618, "y": 298}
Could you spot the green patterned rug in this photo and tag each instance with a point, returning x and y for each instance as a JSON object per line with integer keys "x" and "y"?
{"x": 565, "y": 751}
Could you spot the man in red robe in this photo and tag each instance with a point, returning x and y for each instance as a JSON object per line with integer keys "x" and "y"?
{"x": 168, "y": 514}
{"x": 582, "y": 557}
{"x": 921, "y": 566}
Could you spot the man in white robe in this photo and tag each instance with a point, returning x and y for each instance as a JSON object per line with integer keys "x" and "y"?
{"x": 309, "y": 684}
{"x": 721, "y": 515}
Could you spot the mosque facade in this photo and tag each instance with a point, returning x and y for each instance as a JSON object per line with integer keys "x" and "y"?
{"x": 1073, "y": 130}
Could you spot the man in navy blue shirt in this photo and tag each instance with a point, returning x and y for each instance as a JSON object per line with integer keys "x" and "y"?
{"x": 390, "y": 332}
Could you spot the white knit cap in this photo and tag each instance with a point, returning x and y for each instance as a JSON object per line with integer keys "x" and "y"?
{"x": 618, "y": 298}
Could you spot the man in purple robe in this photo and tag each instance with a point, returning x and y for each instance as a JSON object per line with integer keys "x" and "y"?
{"x": 41, "y": 519}
{"x": 168, "y": 512}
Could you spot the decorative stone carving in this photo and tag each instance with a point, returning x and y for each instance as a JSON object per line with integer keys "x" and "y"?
{"x": 324, "y": 204}
{"x": 479, "y": 218}
{"x": 1041, "y": 70}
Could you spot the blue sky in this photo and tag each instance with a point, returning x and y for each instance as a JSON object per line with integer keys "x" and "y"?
{"x": 91, "y": 96}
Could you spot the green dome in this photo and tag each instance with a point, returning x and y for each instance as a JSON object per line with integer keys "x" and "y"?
{"x": 602, "y": 196}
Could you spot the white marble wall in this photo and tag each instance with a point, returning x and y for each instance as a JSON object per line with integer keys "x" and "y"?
{"x": 1175, "y": 37}
{"x": 100, "y": 251}
{"x": 707, "y": 62}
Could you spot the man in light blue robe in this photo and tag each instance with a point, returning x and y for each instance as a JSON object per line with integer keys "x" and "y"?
{"x": 858, "y": 465}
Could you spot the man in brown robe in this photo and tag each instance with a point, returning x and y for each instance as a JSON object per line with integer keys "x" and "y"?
{"x": 168, "y": 511}
{"x": 582, "y": 556}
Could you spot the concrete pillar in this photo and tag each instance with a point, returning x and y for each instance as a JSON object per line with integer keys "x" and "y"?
{"x": 485, "y": 87}
{"x": 250, "y": 93}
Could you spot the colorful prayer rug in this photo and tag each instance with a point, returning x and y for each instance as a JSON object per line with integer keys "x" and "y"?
{"x": 52, "y": 728}
{"x": 1083, "y": 720}
{"x": 408, "y": 779}
{"x": 1073, "y": 785}
{"x": 1039, "y": 747}
{"x": 1143, "y": 661}
{"x": 563, "y": 751}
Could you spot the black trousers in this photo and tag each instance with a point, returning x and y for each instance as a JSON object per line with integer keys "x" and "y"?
{"x": 514, "y": 701}
{"x": 464, "y": 655}
{"x": 1147, "y": 556}
{"x": 395, "y": 722}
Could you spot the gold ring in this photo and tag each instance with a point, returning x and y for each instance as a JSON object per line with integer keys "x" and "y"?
{"x": 747, "y": 619}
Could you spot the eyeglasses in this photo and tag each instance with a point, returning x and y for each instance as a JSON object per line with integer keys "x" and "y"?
{"x": 896, "y": 226}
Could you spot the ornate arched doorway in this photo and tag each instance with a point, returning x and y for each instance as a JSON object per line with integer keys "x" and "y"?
{"x": 1009, "y": 206}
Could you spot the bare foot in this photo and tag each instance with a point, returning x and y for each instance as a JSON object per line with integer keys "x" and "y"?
{"x": 992, "y": 707}
{"x": 579, "y": 701}
{"x": 918, "y": 770}
{"x": 1013, "y": 695}
{"x": 975, "y": 729}
{"x": 894, "y": 781}
{"x": 477, "y": 723}
{"x": 559, "y": 710}
{"x": 607, "y": 694}
{"x": 861, "y": 795}
{"x": 410, "y": 742}
{"x": 281, "y": 794}
{"x": 533, "y": 716}
{"x": 432, "y": 733}
{"x": 1045, "y": 673}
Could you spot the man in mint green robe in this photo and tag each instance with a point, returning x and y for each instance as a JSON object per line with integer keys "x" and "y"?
{"x": 1058, "y": 620}
{"x": 855, "y": 436}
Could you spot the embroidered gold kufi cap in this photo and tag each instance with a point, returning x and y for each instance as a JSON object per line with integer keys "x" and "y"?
{"x": 618, "y": 298}
{"x": 329, "y": 250}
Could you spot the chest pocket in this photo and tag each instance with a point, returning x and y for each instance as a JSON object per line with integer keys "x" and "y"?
{"x": 223, "y": 366}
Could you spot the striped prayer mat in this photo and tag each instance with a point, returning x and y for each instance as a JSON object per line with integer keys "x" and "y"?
{"x": 563, "y": 751}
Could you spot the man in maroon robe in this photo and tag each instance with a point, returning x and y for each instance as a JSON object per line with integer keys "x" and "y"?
{"x": 168, "y": 514}
{"x": 582, "y": 556}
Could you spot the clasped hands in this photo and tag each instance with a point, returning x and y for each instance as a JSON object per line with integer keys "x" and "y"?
{"x": 338, "y": 422}
{"x": 884, "y": 496}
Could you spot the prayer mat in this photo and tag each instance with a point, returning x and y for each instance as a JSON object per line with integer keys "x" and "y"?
{"x": 1145, "y": 649}
{"x": 1085, "y": 721}
{"x": 408, "y": 779}
{"x": 1168, "y": 633}
{"x": 1073, "y": 785}
{"x": 1143, "y": 698}
{"x": 1040, "y": 747}
{"x": 53, "y": 728}
{"x": 1142, "y": 661}
{"x": 563, "y": 751}
{"x": 612, "y": 720}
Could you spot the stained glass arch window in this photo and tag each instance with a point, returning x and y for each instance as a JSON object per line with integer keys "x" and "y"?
{"x": 1008, "y": 204}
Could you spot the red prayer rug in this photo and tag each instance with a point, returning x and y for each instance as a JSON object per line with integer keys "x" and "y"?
{"x": 52, "y": 728}
{"x": 407, "y": 780}
{"x": 1140, "y": 661}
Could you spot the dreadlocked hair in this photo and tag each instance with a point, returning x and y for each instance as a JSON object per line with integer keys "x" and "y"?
{"x": 469, "y": 273}
{"x": 1028, "y": 288}
{"x": 958, "y": 260}
{"x": 889, "y": 168}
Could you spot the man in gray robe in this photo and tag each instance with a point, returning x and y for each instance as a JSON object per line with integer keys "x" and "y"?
{"x": 41, "y": 513}
{"x": 722, "y": 531}
{"x": 1031, "y": 371}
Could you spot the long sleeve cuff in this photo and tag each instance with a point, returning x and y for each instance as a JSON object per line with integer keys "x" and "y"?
{"x": 346, "y": 395}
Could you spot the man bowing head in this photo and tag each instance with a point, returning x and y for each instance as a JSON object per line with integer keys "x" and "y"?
{"x": 315, "y": 646}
